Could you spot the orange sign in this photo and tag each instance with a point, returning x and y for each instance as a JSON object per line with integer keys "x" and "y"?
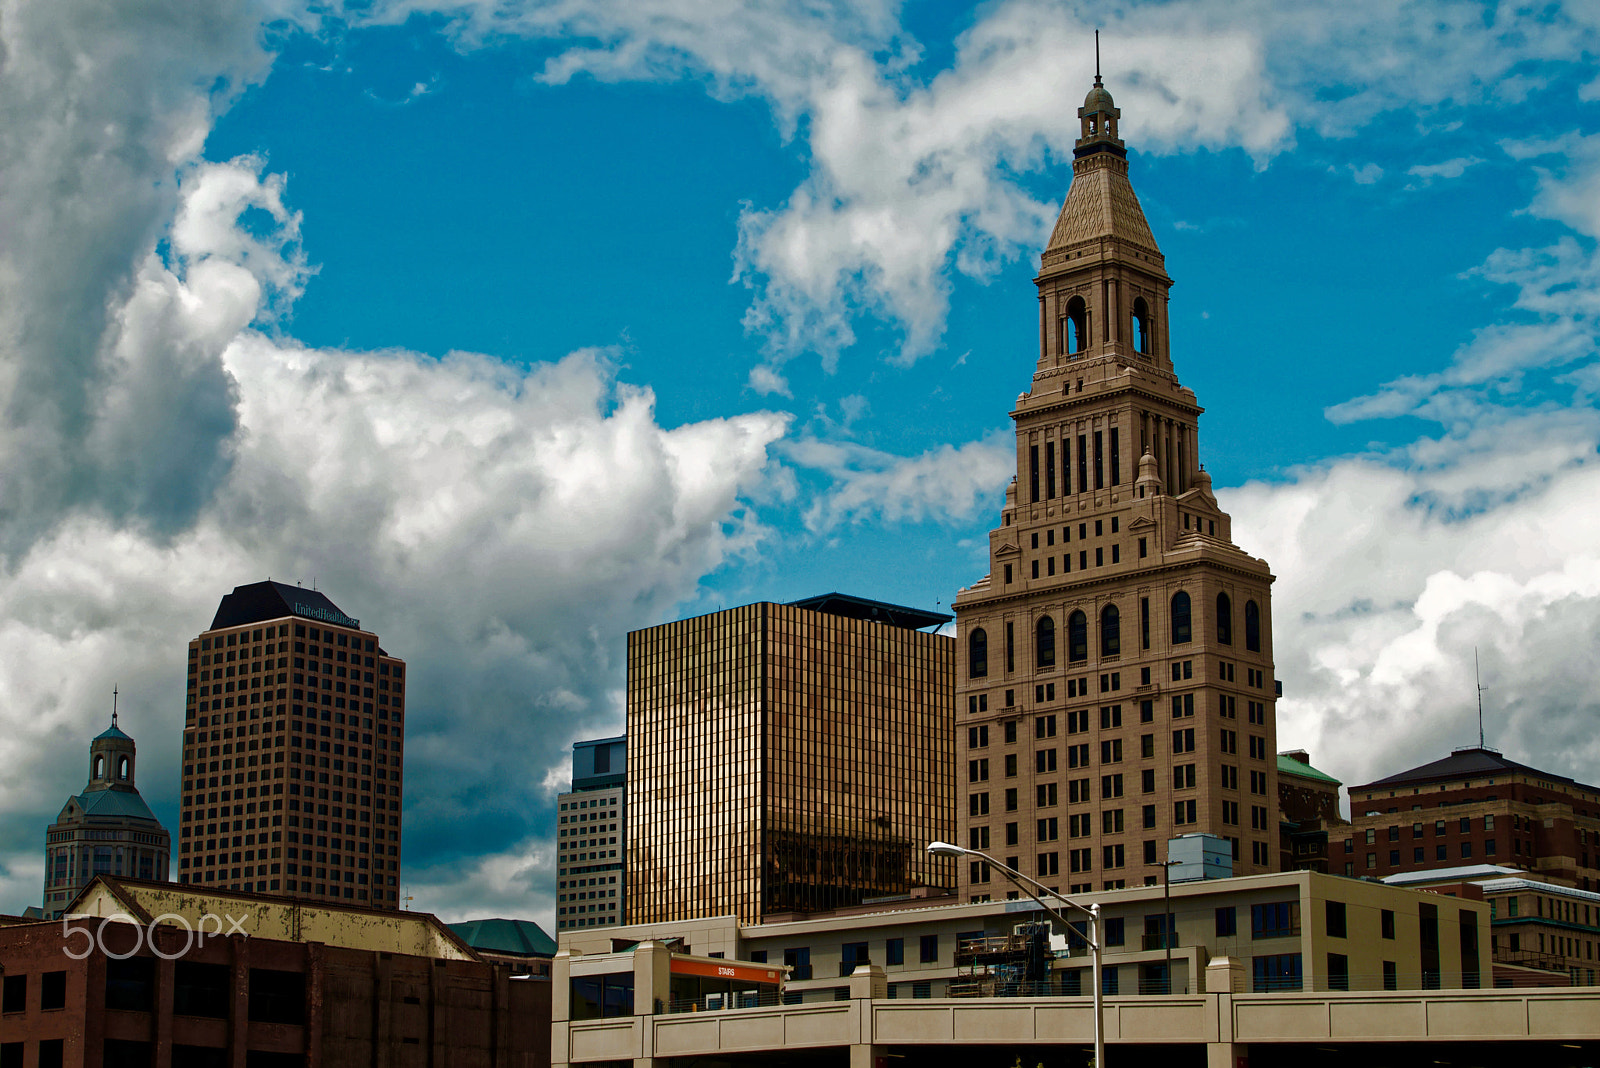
{"x": 716, "y": 969}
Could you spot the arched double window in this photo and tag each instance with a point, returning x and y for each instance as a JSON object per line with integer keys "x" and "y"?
{"x": 1252, "y": 627}
{"x": 1077, "y": 637}
{"x": 1076, "y": 324}
{"x": 1224, "y": 619}
{"x": 1110, "y": 631}
{"x": 977, "y": 654}
{"x": 1044, "y": 642}
{"x": 1141, "y": 327}
{"x": 1181, "y": 629}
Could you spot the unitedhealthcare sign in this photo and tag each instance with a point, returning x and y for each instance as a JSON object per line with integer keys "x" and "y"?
{"x": 326, "y": 615}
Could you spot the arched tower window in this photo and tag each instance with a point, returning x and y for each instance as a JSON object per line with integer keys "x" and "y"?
{"x": 99, "y": 767}
{"x": 1110, "y": 631}
{"x": 1252, "y": 627}
{"x": 1141, "y": 327}
{"x": 1181, "y": 630}
{"x": 122, "y": 767}
{"x": 977, "y": 654}
{"x": 1044, "y": 642}
{"x": 1224, "y": 619}
{"x": 1077, "y": 325}
{"x": 1077, "y": 637}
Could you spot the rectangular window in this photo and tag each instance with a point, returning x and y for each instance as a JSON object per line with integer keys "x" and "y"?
{"x": 1338, "y": 971}
{"x": 1099, "y": 460}
{"x": 1148, "y": 816}
{"x": 1336, "y": 921}
{"x": 1011, "y": 649}
{"x": 1083, "y": 462}
{"x": 1033, "y": 472}
{"x": 1110, "y": 786}
{"x": 53, "y": 991}
{"x": 894, "y": 951}
{"x": 1011, "y": 799}
{"x": 1227, "y": 921}
{"x": 15, "y": 995}
{"x": 1279, "y": 919}
{"x": 1386, "y": 923}
{"x": 1011, "y": 834}
{"x": 1278, "y": 972}
{"x": 930, "y": 949}
{"x": 1391, "y": 977}
{"x": 1116, "y": 465}
{"x": 1050, "y": 470}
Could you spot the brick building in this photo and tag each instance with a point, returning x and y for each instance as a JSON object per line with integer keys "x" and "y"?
{"x": 275, "y": 984}
{"x": 292, "y": 736}
{"x": 1114, "y": 681}
{"x": 1309, "y": 800}
{"x": 1475, "y": 806}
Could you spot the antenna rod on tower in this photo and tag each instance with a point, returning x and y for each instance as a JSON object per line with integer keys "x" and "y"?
{"x": 113, "y": 706}
{"x": 1478, "y": 682}
{"x": 1097, "y": 57}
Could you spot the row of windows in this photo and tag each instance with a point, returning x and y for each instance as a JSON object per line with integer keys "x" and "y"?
{"x": 1044, "y": 640}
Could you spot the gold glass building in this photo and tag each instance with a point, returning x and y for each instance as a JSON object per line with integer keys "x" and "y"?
{"x": 1116, "y": 681}
{"x": 292, "y": 752}
{"x": 787, "y": 758}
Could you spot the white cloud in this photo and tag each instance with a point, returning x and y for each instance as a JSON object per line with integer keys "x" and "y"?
{"x": 1385, "y": 586}
{"x": 499, "y": 527}
{"x": 944, "y": 484}
{"x": 1450, "y": 168}
{"x": 913, "y": 178}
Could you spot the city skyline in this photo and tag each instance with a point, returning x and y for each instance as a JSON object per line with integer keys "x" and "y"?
{"x": 337, "y": 301}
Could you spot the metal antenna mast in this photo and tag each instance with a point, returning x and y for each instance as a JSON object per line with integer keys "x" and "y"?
{"x": 1097, "y": 57}
{"x": 1478, "y": 682}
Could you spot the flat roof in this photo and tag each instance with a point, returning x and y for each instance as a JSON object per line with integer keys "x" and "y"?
{"x": 852, "y": 607}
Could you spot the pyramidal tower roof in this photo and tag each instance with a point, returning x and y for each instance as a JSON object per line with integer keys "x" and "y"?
{"x": 1100, "y": 204}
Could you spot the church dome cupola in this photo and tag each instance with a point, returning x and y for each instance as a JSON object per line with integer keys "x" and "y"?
{"x": 111, "y": 757}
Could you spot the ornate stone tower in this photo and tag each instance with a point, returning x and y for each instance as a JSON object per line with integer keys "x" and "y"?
{"x": 107, "y": 829}
{"x": 1114, "y": 677}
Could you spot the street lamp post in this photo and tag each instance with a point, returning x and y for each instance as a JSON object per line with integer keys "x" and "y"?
{"x": 1092, "y": 910}
{"x": 1166, "y": 916}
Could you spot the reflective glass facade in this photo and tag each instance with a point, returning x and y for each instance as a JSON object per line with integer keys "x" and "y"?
{"x": 782, "y": 760}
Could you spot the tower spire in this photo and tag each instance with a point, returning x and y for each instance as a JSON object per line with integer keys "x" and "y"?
{"x": 1097, "y": 57}
{"x": 113, "y": 706}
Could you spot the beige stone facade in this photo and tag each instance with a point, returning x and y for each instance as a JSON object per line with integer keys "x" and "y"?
{"x": 1114, "y": 669}
{"x": 841, "y": 1007}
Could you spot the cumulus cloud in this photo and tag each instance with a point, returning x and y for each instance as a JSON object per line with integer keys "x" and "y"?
{"x": 101, "y": 105}
{"x": 1386, "y": 585}
{"x": 498, "y": 526}
{"x": 945, "y": 484}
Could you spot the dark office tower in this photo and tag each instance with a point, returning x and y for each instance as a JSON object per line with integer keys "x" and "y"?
{"x": 106, "y": 830}
{"x": 292, "y": 752}
{"x": 787, "y": 758}
{"x": 590, "y": 843}
{"x": 1116, "y": 680}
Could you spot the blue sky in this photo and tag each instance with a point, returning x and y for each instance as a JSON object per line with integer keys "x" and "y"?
{"x": 520, "y": 326}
